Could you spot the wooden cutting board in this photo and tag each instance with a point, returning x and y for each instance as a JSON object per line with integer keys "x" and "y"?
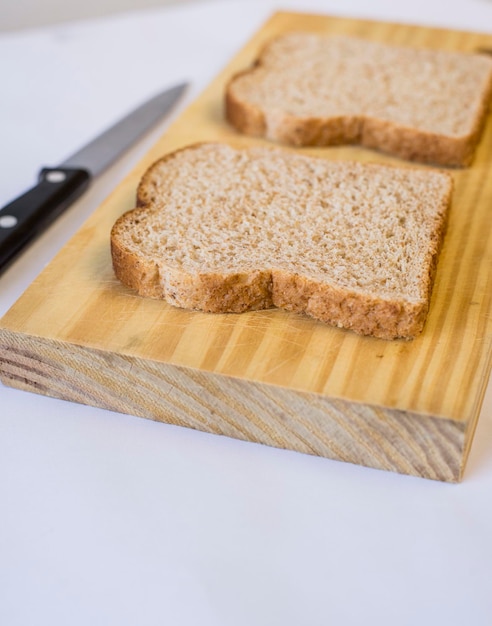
{"x": 273, "y": 377}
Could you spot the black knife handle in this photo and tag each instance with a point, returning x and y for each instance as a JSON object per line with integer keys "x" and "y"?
{"x": 28, "y": 215}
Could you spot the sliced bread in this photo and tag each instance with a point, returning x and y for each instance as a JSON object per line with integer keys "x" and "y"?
{"x": 224, "y": 230}
{"x": 418, "y": 104}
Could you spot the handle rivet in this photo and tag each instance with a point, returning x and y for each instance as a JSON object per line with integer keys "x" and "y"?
{"x": 56, "y": 176}
{"x": 7, "y": 221}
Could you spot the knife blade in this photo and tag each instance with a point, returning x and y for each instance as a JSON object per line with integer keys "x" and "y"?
{"x": 25, "y": 217}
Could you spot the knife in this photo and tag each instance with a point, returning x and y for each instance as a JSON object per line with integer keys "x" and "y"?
{"x": 58, "y": 187}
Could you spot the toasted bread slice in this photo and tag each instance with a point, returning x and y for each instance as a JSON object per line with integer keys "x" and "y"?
{"x": 224, "y": 230}
{"x": 417, "y": 104}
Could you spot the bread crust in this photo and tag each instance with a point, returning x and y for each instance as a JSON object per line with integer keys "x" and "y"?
{"x": 260, "y": 288}
{"x": 397, "y": 139}
{"x": 263, "y": 289}
{"x": 360, "y": 313}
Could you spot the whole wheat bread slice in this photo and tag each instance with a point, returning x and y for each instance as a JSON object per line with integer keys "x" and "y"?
{"x": 225, "y": 230}
{"x": 418, "y": 104}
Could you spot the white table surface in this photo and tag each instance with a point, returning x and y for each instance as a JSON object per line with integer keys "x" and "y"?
{"x": 107, "y": 519}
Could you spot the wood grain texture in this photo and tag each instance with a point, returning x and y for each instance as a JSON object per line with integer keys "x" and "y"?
{"x": 270, "y": 376}
{"x": 309, "y": 423}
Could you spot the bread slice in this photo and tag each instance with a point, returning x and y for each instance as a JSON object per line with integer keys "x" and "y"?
{"x": 224, "y": 230}
{"x": 313, "y": 90}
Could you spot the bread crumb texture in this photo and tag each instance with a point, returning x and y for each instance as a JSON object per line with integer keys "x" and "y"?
{"x": 225, "y": 230}
{"x": 418, "y": 104}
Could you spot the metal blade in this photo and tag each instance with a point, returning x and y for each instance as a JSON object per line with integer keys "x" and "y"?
{"x": 97, "y": 155}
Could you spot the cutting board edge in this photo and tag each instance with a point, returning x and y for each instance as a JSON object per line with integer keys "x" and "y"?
{"x": 426, "y": 446}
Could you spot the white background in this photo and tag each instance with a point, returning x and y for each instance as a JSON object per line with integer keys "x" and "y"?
{"x": 110, "y": 519}
{"x": 21, "y": 14}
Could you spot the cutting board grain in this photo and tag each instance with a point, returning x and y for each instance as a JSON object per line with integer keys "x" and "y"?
{"x": 272, "y": 377}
